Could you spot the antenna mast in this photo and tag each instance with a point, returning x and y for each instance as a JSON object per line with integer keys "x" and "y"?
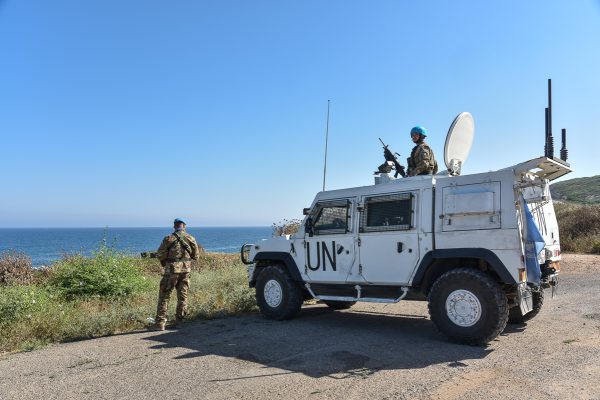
{"x": 326, "y": 139}
{"x": 549, "y": 137}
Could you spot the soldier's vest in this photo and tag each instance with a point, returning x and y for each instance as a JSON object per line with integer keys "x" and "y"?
{"x": 412, "y": 162}
{"x": 180, "y": 254}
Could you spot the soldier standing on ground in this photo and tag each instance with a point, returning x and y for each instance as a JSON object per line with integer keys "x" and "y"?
{"x": 421, "y": 160}
{"x": 175, "y": 253}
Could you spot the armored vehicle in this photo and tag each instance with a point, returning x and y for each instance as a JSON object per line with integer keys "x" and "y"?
{"x": 480, "y": 248}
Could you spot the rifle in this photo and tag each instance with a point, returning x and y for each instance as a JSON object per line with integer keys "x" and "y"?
{"x": 151, "y": 254}
{"x": 391, "y": 158}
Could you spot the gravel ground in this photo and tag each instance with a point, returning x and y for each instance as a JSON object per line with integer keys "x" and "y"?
{"x": 369, "y": 352}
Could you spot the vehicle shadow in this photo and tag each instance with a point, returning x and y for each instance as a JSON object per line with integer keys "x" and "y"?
{"x": 320, "y": 342}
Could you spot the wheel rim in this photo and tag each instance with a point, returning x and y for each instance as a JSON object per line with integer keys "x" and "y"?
{"x": 273, "y": 293}
{"x": 463, "y": 308}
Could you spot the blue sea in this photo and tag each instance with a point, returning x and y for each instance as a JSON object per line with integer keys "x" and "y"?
{"x": 47, "y": 245}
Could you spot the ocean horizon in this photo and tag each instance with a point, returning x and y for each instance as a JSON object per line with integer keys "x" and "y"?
{"x": 48, "y": 245}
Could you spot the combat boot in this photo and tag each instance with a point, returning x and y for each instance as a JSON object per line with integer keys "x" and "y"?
{"x": 158, "y": 326}
{"x": 178, "y": 323}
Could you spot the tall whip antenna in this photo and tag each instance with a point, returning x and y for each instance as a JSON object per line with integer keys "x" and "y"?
{"x": 326, "y": 139}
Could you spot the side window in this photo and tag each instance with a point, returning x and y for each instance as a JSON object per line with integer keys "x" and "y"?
{"x": 332, "y": 217}
{"x": 388, "y": 213}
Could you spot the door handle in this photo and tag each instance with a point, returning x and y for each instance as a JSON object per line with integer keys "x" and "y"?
{"x": 400, "y": 247}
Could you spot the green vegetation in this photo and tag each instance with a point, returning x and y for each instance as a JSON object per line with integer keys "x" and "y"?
{"x": 107, "y": 274}
{"x": 579, "y": 227}
{"x": 106, "y": 294}
{"x": 578, "y": 190}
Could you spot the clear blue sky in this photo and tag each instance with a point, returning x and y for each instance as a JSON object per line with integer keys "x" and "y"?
{"x": 129, "y": 113}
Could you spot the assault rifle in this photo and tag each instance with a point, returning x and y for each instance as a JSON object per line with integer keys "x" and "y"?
{"x": 391, "y": 162}
{"x": 152, "y": 254}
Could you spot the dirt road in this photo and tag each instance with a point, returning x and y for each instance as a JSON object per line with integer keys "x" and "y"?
{"x": 369, "y": 352}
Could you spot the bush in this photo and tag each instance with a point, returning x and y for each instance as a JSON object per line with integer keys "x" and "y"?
{"x": 32, "y": 317}
{"x": 84, "y": 298}
{"x": 19, "y": 302}
{"x": 107, "y": 274}
{"x": 15, "y": 268}
{"x": 579, "y": 227}
{"x": 286, "y": 227}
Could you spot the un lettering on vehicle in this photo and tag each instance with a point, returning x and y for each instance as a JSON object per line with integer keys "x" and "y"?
{"x": 323, "y": 255}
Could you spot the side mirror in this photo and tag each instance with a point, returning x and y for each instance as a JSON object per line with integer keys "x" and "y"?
{"x": 308, "y": 227}
{"x": 306, "y": 211}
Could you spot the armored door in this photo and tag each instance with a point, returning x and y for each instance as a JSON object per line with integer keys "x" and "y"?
{"x": 388, "y": 238}
{"x": 329, "y": 243}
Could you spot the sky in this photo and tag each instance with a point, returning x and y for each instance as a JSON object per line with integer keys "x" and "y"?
{"x": 134, "y": 112}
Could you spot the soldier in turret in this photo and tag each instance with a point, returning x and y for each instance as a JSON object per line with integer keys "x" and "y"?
{"x": 421, "y": 160}
{"x": 175, "y": 253}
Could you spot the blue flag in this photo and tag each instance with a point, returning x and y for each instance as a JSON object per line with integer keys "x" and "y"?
{"x": 534, "y": 243}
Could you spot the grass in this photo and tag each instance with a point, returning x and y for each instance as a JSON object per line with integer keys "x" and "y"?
{"x": 73, "y": 299}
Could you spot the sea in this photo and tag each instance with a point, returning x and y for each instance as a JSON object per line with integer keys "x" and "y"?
{"x": 47, "y": 245}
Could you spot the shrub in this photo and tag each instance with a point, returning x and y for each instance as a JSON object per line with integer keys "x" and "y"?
{"x": 107, "y": 274}
{"x": 579, "y": 227}
{"x": 15, "y": 268}
{"x": 20, "y": 301}
{"x": 286, "y": 227}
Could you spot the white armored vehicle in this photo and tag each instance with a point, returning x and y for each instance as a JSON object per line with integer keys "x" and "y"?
{"x": 466, "y": 244}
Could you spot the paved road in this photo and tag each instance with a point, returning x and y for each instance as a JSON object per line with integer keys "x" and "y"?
{"x": 369, "y": 352}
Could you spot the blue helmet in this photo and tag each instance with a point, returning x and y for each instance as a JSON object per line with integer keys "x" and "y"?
{"x": 419, "y": 129}
{"x": 178, "y": 221}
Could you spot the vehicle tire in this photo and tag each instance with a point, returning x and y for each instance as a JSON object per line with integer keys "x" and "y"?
{"x": 339, "y": 305}
{"x": 278, "y": 296}
{"x": 468, "y": 306}
{"x": 514, "y": 314}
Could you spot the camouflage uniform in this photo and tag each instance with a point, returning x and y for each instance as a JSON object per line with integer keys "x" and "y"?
{"x": 421, "y": 161}
{"x": 175, "y": 253}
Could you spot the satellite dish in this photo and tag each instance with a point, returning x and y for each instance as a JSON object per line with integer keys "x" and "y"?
{"x": 458, "y": 142}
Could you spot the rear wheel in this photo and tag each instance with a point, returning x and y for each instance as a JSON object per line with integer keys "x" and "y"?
{"x": 339, "y": 305}
{"x": 468, "y": 306}
{"x": 515, "y": 316}
{"x": 277, "y": 294}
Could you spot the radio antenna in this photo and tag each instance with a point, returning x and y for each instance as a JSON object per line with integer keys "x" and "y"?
{"x": 326, "y": 140}
{"x": 550, "y": 138}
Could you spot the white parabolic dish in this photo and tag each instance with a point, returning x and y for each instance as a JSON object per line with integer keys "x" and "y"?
{"x": 459, "y": 141}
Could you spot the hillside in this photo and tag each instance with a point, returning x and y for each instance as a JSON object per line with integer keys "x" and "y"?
{"x": 578, "y": 190}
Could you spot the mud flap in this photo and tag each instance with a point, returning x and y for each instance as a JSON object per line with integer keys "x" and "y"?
{"x": 525, "y": 298}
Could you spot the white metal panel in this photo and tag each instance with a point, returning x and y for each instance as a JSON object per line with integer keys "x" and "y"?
{"x": 544, "y": 167}
{"x": 383, "y": 262}
{"x": 329, "y": 258}
{"x": 471, "y": 207}
{"x": 465, "y": 203}
{"x": 499, "y": 239}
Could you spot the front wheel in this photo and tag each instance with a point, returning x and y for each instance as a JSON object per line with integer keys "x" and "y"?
{"x": 278, "y": 296}
{"x": 468, "y": 306}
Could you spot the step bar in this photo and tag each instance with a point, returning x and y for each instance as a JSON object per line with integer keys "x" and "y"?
{"x": 358, "y": 296}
